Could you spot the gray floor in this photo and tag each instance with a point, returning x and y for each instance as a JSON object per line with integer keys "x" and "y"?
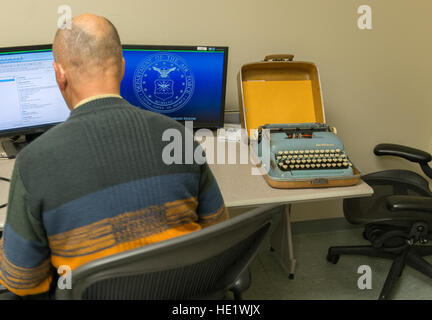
{"x": 316, "y": 279}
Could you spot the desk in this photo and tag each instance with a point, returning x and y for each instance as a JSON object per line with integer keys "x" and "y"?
{"x": 242, "y": 189}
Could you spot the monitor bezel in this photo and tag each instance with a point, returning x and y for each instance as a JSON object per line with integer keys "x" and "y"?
{"x": 196, "y": 124}
{"x": 29, "y": 129}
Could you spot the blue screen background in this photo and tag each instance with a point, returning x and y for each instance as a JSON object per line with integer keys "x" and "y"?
{"x": 207, "y": 69}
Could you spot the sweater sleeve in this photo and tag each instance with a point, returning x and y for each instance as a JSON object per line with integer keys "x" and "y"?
{"x": 25, "y": 267}
{"x": 211, "y": 207}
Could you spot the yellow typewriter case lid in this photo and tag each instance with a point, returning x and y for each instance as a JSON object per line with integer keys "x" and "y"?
{"x": 279, "y": 90}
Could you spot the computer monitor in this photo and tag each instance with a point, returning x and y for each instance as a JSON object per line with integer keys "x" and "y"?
{"x": 30, "y": 100}
{"x": 186, "y": 83}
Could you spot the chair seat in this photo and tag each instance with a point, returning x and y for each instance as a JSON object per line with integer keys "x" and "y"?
{"x": 371, "y": 210}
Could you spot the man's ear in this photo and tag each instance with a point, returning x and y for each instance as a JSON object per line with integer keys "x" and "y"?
{"x": 60, "y": 76}
{"x": 123, "y": 68}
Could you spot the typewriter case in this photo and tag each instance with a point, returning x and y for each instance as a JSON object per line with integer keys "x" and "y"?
{"x": 279, "y": 90}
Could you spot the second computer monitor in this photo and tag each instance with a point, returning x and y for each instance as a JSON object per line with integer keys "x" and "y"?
{"x": 182, "y": 82}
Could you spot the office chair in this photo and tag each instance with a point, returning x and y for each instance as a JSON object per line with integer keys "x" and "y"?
{"x": 205, "y": 264}
{"x": 397, "y": 218}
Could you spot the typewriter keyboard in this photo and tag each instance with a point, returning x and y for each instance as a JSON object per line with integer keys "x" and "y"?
{"x": 288, "y": 160}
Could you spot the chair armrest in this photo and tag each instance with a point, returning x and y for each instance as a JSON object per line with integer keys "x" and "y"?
{"x": 409, "y": 203}
{"x": 411, "y": 154}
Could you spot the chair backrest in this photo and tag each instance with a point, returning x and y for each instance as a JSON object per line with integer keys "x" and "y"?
{"x": 199, "y": 265}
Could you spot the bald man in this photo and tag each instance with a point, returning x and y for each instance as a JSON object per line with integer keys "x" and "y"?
{"x": 96, "y": 184}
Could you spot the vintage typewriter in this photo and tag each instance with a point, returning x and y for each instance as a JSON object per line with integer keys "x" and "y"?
{"x": 304, "y": 155}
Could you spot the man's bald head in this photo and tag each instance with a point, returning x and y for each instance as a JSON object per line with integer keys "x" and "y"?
{"x": 91, "y": 47}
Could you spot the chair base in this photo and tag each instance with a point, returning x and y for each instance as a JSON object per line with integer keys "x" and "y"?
{"x": 411, "y": 256}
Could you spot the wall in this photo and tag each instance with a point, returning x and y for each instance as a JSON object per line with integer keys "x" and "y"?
{"x": 376, "y": 83}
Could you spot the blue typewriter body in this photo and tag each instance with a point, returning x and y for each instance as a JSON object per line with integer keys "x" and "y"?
{"x": 304, "y": 155}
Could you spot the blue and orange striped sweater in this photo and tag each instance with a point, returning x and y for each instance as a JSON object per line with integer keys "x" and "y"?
{"x": 94, "y": 186}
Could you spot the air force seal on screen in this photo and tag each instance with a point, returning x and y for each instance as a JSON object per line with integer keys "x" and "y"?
{"x": 163, "y": 83}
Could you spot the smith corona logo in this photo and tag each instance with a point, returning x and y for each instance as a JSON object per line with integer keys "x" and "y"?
{"x": 163, "y": 83}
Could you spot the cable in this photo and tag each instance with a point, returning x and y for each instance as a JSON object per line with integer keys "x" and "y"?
{"x": 7, "y": 180}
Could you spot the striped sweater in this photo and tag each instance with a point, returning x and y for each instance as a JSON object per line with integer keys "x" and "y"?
{"x": 94, "y": 186}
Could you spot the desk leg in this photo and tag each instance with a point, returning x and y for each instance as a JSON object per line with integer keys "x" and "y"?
{"x": 282, "y": 243}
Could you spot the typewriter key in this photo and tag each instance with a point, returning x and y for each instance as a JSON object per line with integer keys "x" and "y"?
{"x": 334, "y": 165}
{"x": 312, "y": 165}
{"x": 297, "y": 166}
{"x": 280, "y": 152}
{"x": 308, "y": 166}
{"x": 318, "y": 165}
{"x": 302, "y": 166}
{"x": 285, "y": 167}
{"x": 285, "y": 152}
{"x": 292, "y": 166}
{"x": 338, "y": 150}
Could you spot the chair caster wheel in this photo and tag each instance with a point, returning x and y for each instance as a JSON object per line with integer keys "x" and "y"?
{"x": 291, "y": 276}
{"x": 333, "y": 258}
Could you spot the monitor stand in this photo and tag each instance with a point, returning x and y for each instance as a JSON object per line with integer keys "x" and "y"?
{"x": 14, "y": 145}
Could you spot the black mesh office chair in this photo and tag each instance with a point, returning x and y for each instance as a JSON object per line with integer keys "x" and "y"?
{"x": 397, "y": 218}
{"x": 200, "y": 265}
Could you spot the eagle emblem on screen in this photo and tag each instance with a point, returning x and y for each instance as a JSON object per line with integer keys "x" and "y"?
{"x": 163, "y": 82}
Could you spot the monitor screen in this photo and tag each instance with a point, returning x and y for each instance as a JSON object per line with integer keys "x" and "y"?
{"x": 30, "y": 100}
{"x": 184, "y": 83}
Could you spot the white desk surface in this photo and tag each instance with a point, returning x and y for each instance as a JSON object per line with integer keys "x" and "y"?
{"x": 239, "y": 188}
